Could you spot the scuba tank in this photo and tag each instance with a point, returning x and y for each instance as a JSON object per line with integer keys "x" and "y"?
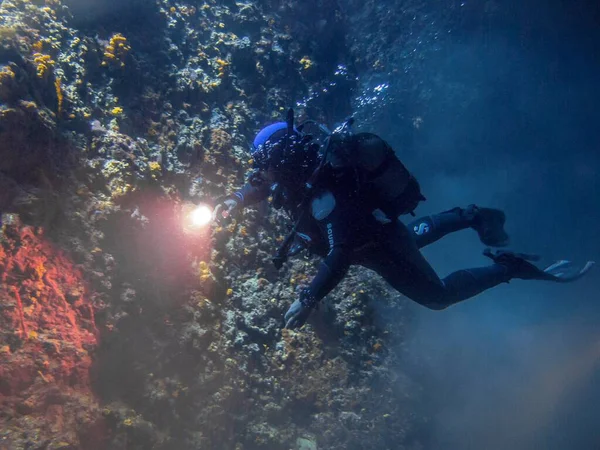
{"x": 381, "y": 176}
{"x": 378, "y": 172}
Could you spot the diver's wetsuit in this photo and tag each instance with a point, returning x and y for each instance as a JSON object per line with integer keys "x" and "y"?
{"x": 355, "y": 236}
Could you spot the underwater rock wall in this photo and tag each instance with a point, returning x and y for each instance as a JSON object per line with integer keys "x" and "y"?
{"x": 47, "y": 340}
{"x": 113, "y": 116}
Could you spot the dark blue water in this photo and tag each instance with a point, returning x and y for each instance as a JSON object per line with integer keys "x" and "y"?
{"x": 505, "y": 114}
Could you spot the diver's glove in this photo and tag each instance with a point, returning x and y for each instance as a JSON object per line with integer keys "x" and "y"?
{"x": 300, "y": 310}
{"x": 520, "y": 266}
{"x": 225, "y": 209}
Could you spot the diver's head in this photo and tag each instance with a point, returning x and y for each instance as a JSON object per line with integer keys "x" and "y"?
{"x": 266, "y": 148}
{"x": 283, "y": 158}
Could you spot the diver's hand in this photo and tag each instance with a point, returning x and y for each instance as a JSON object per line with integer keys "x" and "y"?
{"x": 224, "y": 209}
{"x": 296, "y": 315}
{"x": 300, "y": 309}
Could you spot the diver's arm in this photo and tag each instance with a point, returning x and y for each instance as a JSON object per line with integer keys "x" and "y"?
{"x": 246, "y": 196}
{"x": 334, "y": 224}
{"x": 250, "y": 195}
{"x": 331, "y": 271}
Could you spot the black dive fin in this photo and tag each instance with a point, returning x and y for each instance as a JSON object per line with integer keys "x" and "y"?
{"x": 520, "y": 265}
{"x": 499, "y": 253}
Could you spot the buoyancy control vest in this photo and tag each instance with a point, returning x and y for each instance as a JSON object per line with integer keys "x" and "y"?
{"x": 381, "y": 178}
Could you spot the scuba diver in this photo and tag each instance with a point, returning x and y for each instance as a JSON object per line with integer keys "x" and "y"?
{"x": 345, "y": 193}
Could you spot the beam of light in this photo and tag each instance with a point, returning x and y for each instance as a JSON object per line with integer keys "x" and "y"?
{"x": 196, "y": 219}
{"x": 200, "y": 216}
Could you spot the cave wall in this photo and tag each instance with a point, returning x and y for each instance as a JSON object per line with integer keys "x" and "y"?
{"x": 120, "y": 329}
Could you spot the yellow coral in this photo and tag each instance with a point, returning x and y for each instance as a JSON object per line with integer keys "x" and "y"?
{"x": 59, "y": 95}
{"x": 229, "y": 292}
{"x": 38, "y": 46}
{"x": 188, "y": 11}
{"x": 39, "y": 270}
{"x": 306, "y": 63}
{"x": 114, "y": 168}
{"x": 128, "y": 422}
{"x": 155, "y": 169}
{"x": 116, "y": 51}
{"x": 43, "y": 63}
{"x": 121, "y": 190}
{"x": 48, "y": 10}
{"x": 222, "y": 66}
{"x": 204, "y": 271}
{"x": 6, "y": 74}
{"x": 30, "y": 106}
{"x": 116, "y": 111}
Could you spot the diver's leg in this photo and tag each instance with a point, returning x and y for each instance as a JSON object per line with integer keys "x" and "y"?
{"x": 488, "y": 222}
{"x": 431, "y": 228}
{"x": 399, "y": 261}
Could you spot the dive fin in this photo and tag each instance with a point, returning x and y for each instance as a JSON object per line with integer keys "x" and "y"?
{"x": 564, "y": 272}
{"x": 519, "y": 265}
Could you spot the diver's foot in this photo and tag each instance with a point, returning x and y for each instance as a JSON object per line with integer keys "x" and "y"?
{"x": 519, "y": 265}
{"x": 489, "y": 224}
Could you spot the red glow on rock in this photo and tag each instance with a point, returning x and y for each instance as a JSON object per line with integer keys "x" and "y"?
{"x": 47, "y": 332}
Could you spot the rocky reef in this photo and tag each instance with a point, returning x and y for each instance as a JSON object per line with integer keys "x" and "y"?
{"x": 48, "y": 337}
{"x": 120, "y": 328}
